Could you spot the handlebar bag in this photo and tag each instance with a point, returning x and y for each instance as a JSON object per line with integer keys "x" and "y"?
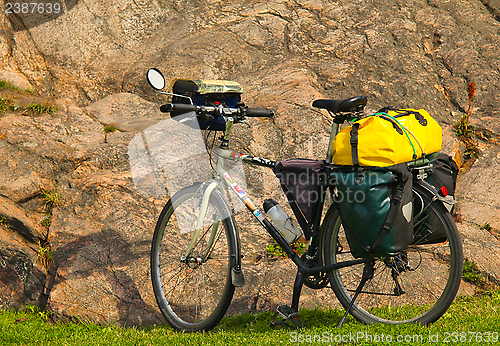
{"x": 205, "y": 93}
{"x": 443, "y": 176}
{"x": 376, "y": 208}
{"x": 388, "y": 138}
{"x": 304, "y": 182}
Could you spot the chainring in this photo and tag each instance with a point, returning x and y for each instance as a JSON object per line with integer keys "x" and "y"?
{"x": 316, "y": 281}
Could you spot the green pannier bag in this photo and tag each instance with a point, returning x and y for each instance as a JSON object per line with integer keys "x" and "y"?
{"x": 376, "y": 208}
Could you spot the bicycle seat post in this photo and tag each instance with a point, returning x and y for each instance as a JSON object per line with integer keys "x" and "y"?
{"x": 333, "y": 133}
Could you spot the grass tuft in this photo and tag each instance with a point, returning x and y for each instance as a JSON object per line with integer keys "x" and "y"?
{"x": 6, "y": 85}
{"x": 486, "y": 226}
{"x": 46, "y": 220}
{"x": 275, "y": 251}
{"x": 6, "y": 104}
{"x": 52, "y": 198}
{"x": 45, "y": 255}
{"x": 42, "y": 108}
{"x": 471, "y": 320}
{"x": 463, "y": 129}
{"x": 111, "y": 128}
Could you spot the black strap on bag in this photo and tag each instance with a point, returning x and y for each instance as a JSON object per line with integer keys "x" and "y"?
{"x": 389, "y": 221}
{"x": 417, "y": 115}
{"x": 403, "y": 175}
{"x": 354, "y": 152}
{"x": 354, "y": 144}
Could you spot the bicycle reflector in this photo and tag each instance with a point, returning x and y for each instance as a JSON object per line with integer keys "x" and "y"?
{"x": 444, "y": 191}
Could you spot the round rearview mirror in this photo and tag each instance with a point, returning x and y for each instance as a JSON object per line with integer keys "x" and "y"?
{"x": 155, "y": 79}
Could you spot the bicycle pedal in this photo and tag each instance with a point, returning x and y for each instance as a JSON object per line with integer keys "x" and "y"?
{"x": 287, "y": 314}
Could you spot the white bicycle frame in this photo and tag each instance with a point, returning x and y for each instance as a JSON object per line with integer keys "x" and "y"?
{"x": 222, "y": 175}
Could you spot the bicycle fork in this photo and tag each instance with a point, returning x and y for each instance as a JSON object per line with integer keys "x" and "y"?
{"x": 201, "y": 217}
{"x": 237, "y": 277}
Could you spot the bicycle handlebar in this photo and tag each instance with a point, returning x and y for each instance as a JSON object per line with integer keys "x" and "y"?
{"x": 258, "y": 113}
{"x": 207, "y": 110}
{"x": 181, "y": 107}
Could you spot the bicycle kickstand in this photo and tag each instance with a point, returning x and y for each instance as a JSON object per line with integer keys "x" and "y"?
{"x": 367, "y": 275}
{"x": 287, "y": 314}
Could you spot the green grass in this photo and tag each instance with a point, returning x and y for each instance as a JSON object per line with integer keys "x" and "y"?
{"x": 275, "y": 251}
{"x": 42, "y": 108}
{"x": 473, "y": 275}
{"x": 467, "y": 319}
{"x": 52, "y": 198}
{"x": 6, "y": 104}
{"x": 110, "y": 128}
{"x": 486, "y": 226}
{"x": 8, "y": 85}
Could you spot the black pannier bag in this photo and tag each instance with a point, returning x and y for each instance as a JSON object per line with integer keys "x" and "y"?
{"x": 376, "y": 208}
{"x": 303, "y": 181}
{"x": 443, "y": 176}
{"x": 205, "y": 93}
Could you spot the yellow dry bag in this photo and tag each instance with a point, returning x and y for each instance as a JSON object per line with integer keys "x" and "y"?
{"x": 388, "y": 138}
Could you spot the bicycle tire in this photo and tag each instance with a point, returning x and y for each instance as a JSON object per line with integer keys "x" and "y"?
{"x": 428, "y": 280}
{"x": 193, "y": 292}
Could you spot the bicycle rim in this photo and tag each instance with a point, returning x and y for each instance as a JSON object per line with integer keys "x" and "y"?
{"x": 417, "y": 286}
{"x": 193, "y": 291}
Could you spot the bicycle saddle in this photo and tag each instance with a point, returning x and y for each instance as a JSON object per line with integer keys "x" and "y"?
{"x": 352, "y": 104}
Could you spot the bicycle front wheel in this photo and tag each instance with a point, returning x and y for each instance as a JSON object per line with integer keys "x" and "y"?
{"x": 418, "y": 285}
{"x": 193, "y": 288}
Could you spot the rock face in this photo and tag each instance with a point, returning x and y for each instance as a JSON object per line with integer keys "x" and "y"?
{"x": 90, "y": 60}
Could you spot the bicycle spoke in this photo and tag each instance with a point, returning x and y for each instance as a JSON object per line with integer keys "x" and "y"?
{"x": 196, "y": 290}
{"x": 417, "y": 285}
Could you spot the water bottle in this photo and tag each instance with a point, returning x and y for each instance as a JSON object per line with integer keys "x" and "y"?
{"x": 282, "y": 221}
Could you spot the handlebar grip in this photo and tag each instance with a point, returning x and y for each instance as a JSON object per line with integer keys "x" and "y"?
{"x": 178, "y": 107}
{"x": 256, "y": 112}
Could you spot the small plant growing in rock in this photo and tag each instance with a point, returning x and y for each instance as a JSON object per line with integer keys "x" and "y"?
{"x": 52, "y": 198}
{"x": 110, "y": 128}
{"x": 462, "y": 127}
{"x": 471, "y": 152}
{"x": 274, "y": 250}
{"x": 3, "y": 219}
{"x": 486, "y": 226}
{"x": 45, "y": 255}
{"x": 36, "y": 311}
{"x": 6, "y": 85}
{"x": 6, "y": 104}
{"x": 41, "y": 108}
{"x": 471, "y": 273}
{"x": 46, "y": 220}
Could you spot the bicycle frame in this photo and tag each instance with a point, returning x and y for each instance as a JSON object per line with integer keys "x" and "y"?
{"x": 221, "y": 175}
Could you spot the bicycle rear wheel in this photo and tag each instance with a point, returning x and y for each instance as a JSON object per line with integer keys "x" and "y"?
{"x": 193, "y": 290}
{"x": 416, "y": 286}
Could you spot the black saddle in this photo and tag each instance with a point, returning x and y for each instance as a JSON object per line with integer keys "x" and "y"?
{"x": 353, "y": 104}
